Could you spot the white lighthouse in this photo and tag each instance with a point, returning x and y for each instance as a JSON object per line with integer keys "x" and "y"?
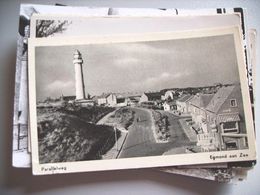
{"x": 79, "y": 80}
{"x": 23, "y": 98}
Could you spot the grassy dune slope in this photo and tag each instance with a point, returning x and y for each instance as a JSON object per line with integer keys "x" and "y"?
{"x": 71, "y": 135}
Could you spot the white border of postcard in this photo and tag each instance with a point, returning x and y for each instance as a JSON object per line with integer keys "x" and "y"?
{"x": 140, "y": 162}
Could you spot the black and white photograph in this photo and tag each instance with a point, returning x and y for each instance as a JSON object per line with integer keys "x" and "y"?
{"x": 160, "y": 95}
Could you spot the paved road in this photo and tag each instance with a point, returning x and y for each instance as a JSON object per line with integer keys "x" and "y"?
{"x": 140, "y": 140}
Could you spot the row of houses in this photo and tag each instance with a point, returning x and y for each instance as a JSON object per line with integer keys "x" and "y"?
{"x": 218, "y": 119}
{"x": 146, "y": 98}
{"x": 161, "y": 100}
{"x": 114, "y": 99}
{"x": 117, "y": 100}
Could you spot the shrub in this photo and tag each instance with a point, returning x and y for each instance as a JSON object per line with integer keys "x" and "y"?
{"x": 91, "y": 114}
{"x": 162, "y": 125}
{"x": 124, "y": 117}
{"x": 66, "y": 138}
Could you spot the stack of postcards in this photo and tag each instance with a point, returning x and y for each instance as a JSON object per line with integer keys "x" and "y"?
{"x": 122, "y": 88}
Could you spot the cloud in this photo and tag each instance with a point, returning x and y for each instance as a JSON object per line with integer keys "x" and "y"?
{"x": 165, "y": 79}
{"x": 136, "y": 54}
{"x": 140, "y": 48}
{"x": 128, "y": 62}
{"x": 59, "y": 87}
{"x": 181, "y": 74}
{"x": 165, "y": 75}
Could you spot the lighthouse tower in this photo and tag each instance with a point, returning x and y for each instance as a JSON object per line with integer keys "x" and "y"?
{"x": 23, "y": 99}
{"x": 79, "y": 80}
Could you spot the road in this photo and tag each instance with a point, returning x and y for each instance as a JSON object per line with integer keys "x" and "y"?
{"x": 140, "y": 141}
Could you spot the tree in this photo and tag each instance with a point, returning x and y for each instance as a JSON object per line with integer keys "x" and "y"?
{"x": 45, "y": 28}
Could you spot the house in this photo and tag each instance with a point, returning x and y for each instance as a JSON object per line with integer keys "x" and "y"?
{"x": 169, "y": 95}
{"x": 150, "y": 97}
{"x": 169, "y": 106}
{"x": 102, "y": 99}
{"x": 225, "y": 115}
{"x": 182, "y": 104}
{"x": 127, "y": 99}
{"x": 111, "y": 99}
{"x": 133, "y": 100}
{"x": 221, "y": 122}
{"x": 121, "y": 100}
{"x": 196, "y": 108}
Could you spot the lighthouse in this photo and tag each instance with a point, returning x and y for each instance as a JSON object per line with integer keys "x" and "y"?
{"x": 79, "y": 79}
{"x": 23, "y": 99}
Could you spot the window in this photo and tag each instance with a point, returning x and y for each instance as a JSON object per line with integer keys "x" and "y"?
{"x": 233, "y": 103}
{"x": 231, "y": 145}
{"x": 230, "y": 127}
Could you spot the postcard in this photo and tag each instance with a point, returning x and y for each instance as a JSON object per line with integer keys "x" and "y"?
{"x": 127, "y": 24}
{"x": 71, "y": 25}
{"x": 21, "y": 157}
{"x": 139, "y": 101}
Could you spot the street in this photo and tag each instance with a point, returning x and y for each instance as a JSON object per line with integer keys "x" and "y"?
{"x": 140, "y": 141}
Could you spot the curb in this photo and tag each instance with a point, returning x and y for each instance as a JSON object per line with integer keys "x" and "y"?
{"x": 120, "y": 149}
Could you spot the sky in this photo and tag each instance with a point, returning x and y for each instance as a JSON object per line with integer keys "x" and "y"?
{"x": 137, "y": 67}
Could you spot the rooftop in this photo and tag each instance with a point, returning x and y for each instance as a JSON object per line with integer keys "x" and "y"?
{"x": 219, "y": 98}
{"x": 104, "y": 95}
{"x": 201, "y": 100}
{"x": 185, "y": 98}
{"x": 153, "y": 95}
{"x": 171, "y": 103}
